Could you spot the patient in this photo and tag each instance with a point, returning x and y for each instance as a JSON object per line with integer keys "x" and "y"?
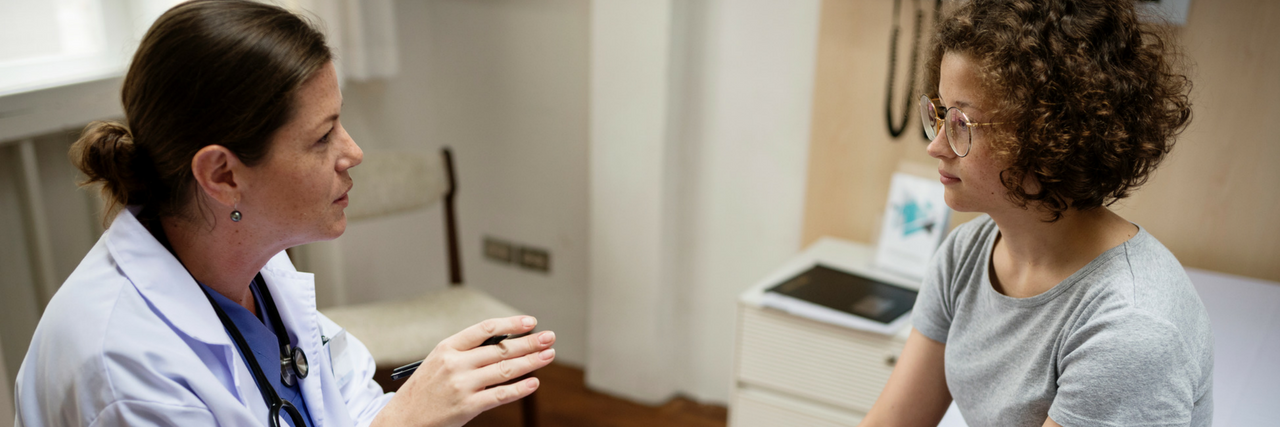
{"x": 1050, "y": 309}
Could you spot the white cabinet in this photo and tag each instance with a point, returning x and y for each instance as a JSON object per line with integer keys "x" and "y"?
{"x": 792, "y": 371}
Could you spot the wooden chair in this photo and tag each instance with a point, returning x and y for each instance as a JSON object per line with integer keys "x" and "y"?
{"x": 405, "y": 331}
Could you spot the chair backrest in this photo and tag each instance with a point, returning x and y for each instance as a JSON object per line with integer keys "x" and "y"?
{"x": 393, "y": 181}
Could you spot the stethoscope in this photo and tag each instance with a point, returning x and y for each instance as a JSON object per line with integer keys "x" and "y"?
{"x": 293, "y": 361}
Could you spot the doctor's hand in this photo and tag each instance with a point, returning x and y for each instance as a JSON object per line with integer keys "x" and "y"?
{"x": 459, "y": 379}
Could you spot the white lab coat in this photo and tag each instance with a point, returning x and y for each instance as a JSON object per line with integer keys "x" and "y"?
{"x": 130, "y": 339}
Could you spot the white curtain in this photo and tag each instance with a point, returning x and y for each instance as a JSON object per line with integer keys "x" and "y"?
{"x": 361, "y": 32}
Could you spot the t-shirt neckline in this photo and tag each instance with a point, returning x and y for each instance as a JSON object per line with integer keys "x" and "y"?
{"x": 1058, "y": 289}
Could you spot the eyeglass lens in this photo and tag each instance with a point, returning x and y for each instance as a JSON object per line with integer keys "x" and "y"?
{"x": 929, "y": 117}
{"x": 958, "y": 132}
{"x": 956, "y": 124}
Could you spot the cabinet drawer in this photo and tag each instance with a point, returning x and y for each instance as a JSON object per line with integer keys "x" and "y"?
{"x": 761, "y": 408}
{"x": 813, "y": 360}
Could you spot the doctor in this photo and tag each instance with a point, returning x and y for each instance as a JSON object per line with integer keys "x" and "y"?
{"x": 187, "y": 311}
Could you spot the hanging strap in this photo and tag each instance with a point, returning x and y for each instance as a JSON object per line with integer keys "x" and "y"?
{"x": 896, "y": 130}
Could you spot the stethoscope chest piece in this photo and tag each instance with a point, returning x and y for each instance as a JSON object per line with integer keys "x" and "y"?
{"x": 293, "y": 365}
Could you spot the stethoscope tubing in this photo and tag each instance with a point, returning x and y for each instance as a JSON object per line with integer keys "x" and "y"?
{"x": 273, "y": 400}
{"x": 290, "y": 368}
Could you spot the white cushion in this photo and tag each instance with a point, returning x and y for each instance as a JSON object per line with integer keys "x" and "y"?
{"x": 400, "y": 332}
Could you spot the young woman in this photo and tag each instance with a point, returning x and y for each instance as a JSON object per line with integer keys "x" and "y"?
{"x": 188, "y": 312}
{"x": 1051, "y": 309}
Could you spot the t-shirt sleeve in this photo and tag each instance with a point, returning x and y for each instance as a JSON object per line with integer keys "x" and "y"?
{"x": 1124, "y": 369}
{"x": 935, "y": 306}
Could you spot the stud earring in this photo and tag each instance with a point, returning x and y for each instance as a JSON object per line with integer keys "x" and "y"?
{"x": 235, "y": 213}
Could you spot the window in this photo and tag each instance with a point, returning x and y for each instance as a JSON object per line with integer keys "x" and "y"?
{"x": 53, "y": 43}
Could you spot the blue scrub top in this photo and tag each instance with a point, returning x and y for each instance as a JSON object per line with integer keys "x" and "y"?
{"x": 259, "y": 332}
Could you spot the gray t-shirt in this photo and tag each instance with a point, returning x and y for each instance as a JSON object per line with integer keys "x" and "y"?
{"x": 1125, "y": 341}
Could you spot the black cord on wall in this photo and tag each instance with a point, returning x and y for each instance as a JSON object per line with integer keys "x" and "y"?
{"x": 896, "y": 130}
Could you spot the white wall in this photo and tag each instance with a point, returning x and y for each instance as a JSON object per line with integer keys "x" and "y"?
{"x": 634, "y": 335}
{"x": 750, "y": 126}
{"x": 699, "y": 139}
{"x": 504, "y": 83}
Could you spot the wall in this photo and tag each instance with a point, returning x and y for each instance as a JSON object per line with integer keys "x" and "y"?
{"x": 74, "y": 224}
{"x": 749, "y": 85}
{"x": 634, "y": 340}
{"x": 20, "y": 308}
{"x": 504, "y": 83}
{"x": 1212, "y": 203}
{"x": 6, "y": 394}
{"x": 699, "y": 123}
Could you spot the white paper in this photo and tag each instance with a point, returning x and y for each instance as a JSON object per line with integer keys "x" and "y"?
{"x": 806, "y": 309}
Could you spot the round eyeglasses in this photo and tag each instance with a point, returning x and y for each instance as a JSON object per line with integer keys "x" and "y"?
{"x": 955, "y": 121}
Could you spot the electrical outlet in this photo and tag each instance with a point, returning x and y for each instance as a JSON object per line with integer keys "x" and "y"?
{"x": 534, "y": 259}
{"x": 526, "y": 257}
{"x": 498, "y": 250}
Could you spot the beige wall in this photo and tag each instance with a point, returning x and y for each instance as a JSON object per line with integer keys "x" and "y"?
{"x": 73, "y": 227}
{"x": 1214, "y": 202}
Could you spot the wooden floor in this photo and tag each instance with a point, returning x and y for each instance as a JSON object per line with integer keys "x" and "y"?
{"x": 563, "y": 400}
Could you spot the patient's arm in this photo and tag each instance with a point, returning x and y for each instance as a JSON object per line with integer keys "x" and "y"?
{"x": 916, "y": 394}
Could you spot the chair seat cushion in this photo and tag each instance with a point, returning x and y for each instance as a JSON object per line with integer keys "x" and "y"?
{"x": 400, "y": 332}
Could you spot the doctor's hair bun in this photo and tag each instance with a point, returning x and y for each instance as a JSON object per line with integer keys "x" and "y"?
{"x": 106, "y": 154}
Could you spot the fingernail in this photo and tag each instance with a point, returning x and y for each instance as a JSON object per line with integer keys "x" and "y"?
{"x": 532, "y": 383}
{"x": 529, "y": 322}
{"x": 548, "y": 354}
{"x": 547, "y": 337}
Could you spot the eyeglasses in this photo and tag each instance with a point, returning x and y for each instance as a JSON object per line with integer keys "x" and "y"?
{"x": 955, "y": 121}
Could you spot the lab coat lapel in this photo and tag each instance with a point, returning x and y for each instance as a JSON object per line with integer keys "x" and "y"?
{"x": 167, "y": 286}
{"x": 297, "y": 305}
{"x": 162, "y": 280}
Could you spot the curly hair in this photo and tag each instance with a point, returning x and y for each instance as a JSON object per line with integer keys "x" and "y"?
{"x": 1090, "y": 96}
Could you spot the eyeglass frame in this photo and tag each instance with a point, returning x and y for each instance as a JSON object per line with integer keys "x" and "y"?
{"x": 943, "y": 119}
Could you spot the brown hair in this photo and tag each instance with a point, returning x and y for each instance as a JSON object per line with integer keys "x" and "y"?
{"x": 207, "y": 72}
{"x": 1090, "y": 97}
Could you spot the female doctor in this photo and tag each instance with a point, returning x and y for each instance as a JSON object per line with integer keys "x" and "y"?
{"x": 187, "y": 311}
